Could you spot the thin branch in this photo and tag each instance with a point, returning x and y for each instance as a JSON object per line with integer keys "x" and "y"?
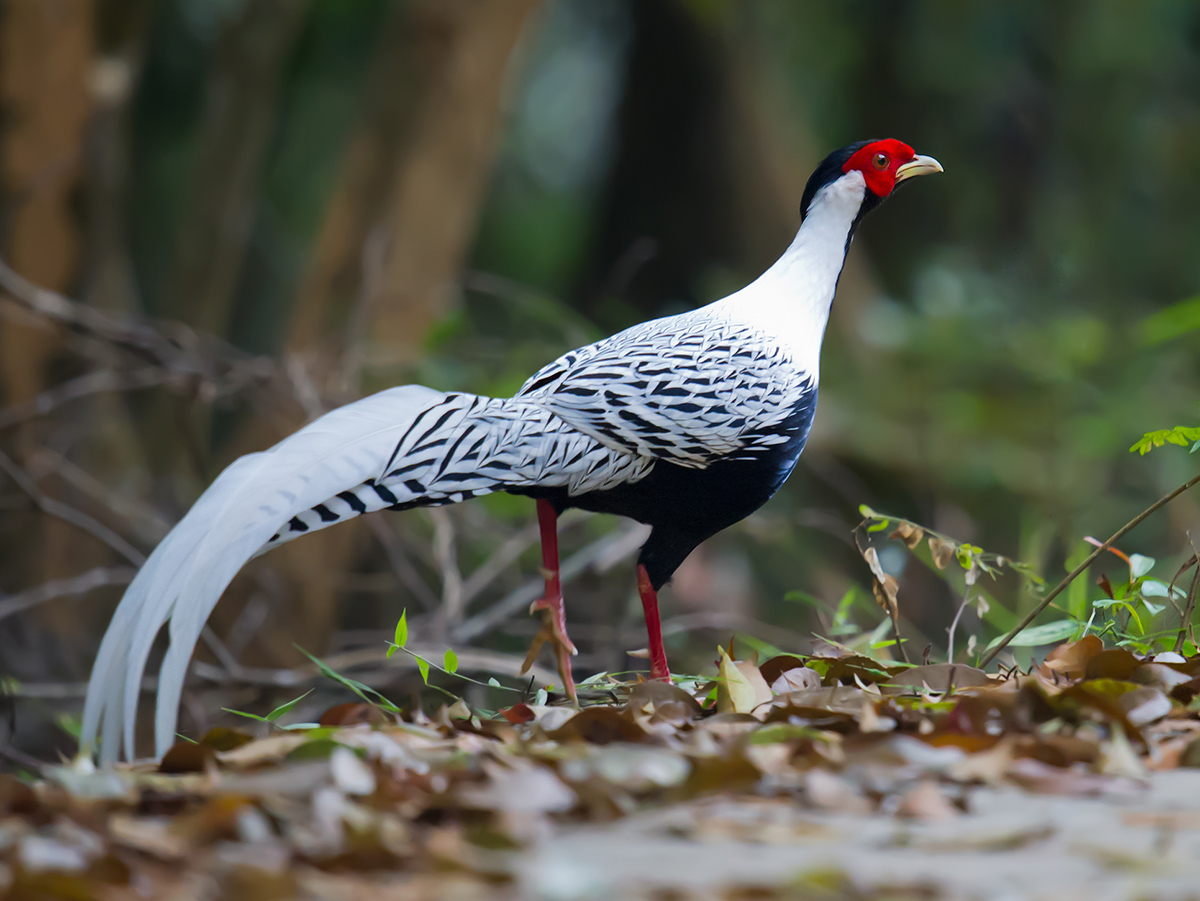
{"x": 1185, "y": 618}
{"x": 67, "y": 513}
{"x": 600, "y": 554}
{"x": 183, "y": 353}
{"x": 499, "y": 561}
{"x": 99, "y": 382}
{"x": 445, "y": 552}
{"x": 954, "y": 624}
{"x": 99, "y": 577}
{"x": 1082, "y": 567}
{"x": 142, "y": 518}
{"x": 400, "y": 563}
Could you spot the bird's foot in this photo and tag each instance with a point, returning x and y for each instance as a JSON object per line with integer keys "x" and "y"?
{"x": 553, "y": 630}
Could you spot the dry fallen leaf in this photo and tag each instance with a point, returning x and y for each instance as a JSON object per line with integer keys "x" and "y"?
{"x": 1071, "y": 660}
{"x": 796, "y": 679}
{"x": 740, "y": 685}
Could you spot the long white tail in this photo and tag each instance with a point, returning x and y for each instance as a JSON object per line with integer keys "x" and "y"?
{"x": 404, "y": 447}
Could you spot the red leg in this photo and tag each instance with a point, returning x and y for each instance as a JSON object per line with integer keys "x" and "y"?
{"x": 554, "y": 628}
{"x": 658, "y": 653}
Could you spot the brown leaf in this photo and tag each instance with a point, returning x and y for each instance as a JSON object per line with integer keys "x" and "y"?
{"x": 186, "y": 757}
{"x": 774, "y": 666}
{"x": 908, "y": 533}
{"x": 942, "y": 551}
{"x": 1071, "y": 660}
{"x": 885, "y": 587}
{"x": 598, "y": 726}
{"x": 352, "y": 713}
{"x": 16, "y": 797}
{"x": 518, "y": 714}
{"x": 1115, "y": 663}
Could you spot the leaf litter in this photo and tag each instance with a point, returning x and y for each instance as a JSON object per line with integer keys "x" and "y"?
{"x": 455, "y": 797}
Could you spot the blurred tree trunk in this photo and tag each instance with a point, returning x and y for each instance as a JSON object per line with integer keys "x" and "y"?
{"x": 402, "y": 215}
{"x": 399, "y": 224}
{"x": 45, "y": 63}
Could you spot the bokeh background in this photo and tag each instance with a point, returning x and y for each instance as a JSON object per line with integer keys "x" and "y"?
{"x": 264, "y": 208}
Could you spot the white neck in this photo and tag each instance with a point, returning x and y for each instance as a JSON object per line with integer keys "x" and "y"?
{"x": 790, "y": 301}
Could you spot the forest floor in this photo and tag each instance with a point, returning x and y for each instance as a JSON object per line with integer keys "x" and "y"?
{"x": 831, "y": 777}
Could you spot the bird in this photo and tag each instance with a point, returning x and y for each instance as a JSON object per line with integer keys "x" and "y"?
{"x": 687, "y": 423}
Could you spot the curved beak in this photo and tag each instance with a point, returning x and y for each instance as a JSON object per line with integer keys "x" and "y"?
{"x": 918, "y": 165}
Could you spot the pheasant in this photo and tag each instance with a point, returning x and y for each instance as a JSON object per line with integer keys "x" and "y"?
{"x": 687, "y": 423}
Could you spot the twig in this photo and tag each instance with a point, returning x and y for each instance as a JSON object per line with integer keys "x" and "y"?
{"x": 98, "y": 382}
{"x": 98, "y": 577}
{"x": 1185, "y": 619}
{"x": 143, "y": 519}
{"x": 185, "y": 353}
{"x": 954, "y": 624}
{"x": 499, "y": 560}
{"x": 602, "y": 551}
{"x": 399, "y": 562}
{"x": 1077, "y": 571}
{"x": 67, "y": 513}
{"x": 21, "y": 759}
{"x": 445, "y": 552}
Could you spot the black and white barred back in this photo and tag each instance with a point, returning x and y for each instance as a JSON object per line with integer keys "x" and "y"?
{"x": 687, "y": 390}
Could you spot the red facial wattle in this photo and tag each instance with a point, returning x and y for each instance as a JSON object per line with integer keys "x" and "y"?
{"x": 878, "y": 162}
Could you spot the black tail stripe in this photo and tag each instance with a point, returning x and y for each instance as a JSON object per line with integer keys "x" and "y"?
{"x": 354, "y": 501}
{"x": 325, "y": 513}
{"x": 384, "y": 494}
{"x": 297, "y": 524}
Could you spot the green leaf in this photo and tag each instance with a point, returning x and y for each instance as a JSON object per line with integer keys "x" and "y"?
{"x": 450, "y": 661}
{"x": 1181, "y": 435}
{"x": 285, "y": 708}
{"x": 539, "y": 699}
{"x": 492, "y": 681}
{"x": 1172, "y": 322}
{"x": 366, "y": 692}
{"x": 1047, "y": 633}
{"x": 249, "y": 716}
{"x": 423, "y": 666}
{"x": 401, "y": 638}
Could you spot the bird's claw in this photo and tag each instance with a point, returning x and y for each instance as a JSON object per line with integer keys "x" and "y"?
{"x": 553, "y": 630}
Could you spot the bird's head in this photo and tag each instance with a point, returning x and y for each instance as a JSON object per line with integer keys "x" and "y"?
{"x": 881, "y": 166}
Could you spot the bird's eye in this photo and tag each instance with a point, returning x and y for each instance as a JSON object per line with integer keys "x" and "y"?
{"x": 880, "y": 161}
